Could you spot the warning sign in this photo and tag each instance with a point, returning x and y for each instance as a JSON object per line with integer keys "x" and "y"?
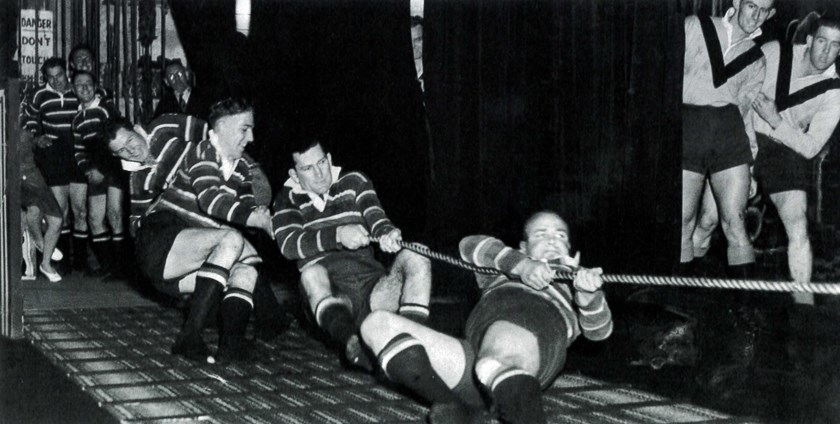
{"x": 37, "y": 41}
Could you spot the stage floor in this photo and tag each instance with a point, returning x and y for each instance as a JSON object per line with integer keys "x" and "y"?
{"x": 98, "y": 352}
{"x": 119, "y": 357}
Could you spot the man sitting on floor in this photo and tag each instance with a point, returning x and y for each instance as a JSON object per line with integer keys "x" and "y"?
{"x": 516, "y": 336}
{"x": 185, "y": 240}
{"x": 324, "y": 219}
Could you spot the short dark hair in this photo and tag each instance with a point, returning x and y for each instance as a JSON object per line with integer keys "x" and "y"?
{"x": 52, "y": 63}
{"x": 90, "y": 74}
{"x": 826, "y": 20}
{"x": 228, "y": 107}
{"x": 113, "y": 126}
{"x": 77, "y": 48}
{"x": 533, "y": 217}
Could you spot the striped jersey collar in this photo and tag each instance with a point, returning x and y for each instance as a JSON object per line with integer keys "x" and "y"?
{"x": 317, "y": 201}
{"x": 227, "y": 165}
{"x": 96, "y": 99}
{"x": 50, "y": 88}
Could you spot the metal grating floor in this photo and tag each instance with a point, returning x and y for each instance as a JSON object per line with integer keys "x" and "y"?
{"x": 120, "y": 357}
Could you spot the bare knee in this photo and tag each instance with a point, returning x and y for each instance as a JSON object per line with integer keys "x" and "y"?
{"x": 707, "y": 222}
{"x": 732, "y": 224}
{"x": 796, "y": 227}
{"x": 409, "y": 263}
{"x": 79, "y": 213}
{"x": 375, "y": 325}
{"x": 243, "y": 277}
{"x": 314, "y": 277}
{"x": 229, "y": 242}
{"x": 115, "y": 218}
{"x": 511, "y": 345}
{"x": 54, "y": 222}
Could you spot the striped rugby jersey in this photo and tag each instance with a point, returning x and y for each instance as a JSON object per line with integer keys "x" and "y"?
{"x": 171, "y": 136}
{"x": 48, "y": 112}
{"x": 90, "y": 147}
{"x": 307, "y": 234}
{"x": 594, "y": 320}
{"x": 202, "y": 196}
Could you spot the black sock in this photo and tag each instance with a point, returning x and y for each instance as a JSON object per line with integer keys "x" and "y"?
{"x": 80, "y": 240}
{"x": 405, "y": 361}
{"x": 333, "y": 316}
{"x": 64, "y": 242}
{"x": 209, "y": 282}
{"x": 235, "y": 312}
{"x": 518, "y": 397}
{"x": 120, "y": 255}
{"x": 270, "y": 319}
{"x": 101, "y": 246}
{"x": 415, "y": 312}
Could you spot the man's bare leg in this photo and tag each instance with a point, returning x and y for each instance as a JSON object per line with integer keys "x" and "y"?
{"x": 692, "y": 188}
{"x": 210, "y": 254}
{"x": 237, "y": 304}
{"x": 731, "y": 188}
{"x": 78, "y": 204}
{"x": 507, "y": 365}
{"x": 707, "y": 222}
{"x": 62, "y": 197}
{"x": 410, "y": 283}
{"x": 100, "y": 238}
{"x": 430, "y": 363}
{"x": 793, "y": 206}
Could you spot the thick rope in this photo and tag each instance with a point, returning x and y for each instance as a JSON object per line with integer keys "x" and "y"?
{"x": 651, "y": 280}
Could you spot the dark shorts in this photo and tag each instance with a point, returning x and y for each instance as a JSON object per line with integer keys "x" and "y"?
{"x": 528, "y": 311}
{"x": 57, "y": 164}
{"x": 34, "y": 191}
{"x": 778, "y": 168}
{"x": 112, "y": 179}
{"x": 153, "y": 242}
{"x": 354, "y": 274}
{"x": 714, "y": 139}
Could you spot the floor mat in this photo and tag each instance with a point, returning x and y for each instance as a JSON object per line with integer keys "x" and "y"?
{"x": 120, "y": 357}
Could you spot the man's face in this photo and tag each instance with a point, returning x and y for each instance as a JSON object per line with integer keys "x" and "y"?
{"x": 547, "y": 238}
{"x": 57, "y": 78}
{"x": 85, "y": 87}
{"x": 130, "y": 146}
{"x": 752, "y": 13}
{"x": 313, "y": 170}
{"x": 232, "y": 133}
{"x": 176, "y": 77}
{"x": 824, "y": 47}
{"x": 82, "y": 60}
{"x": 417, "y": 41}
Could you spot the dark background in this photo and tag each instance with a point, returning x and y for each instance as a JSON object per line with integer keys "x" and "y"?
{"x": 568, "y": 105}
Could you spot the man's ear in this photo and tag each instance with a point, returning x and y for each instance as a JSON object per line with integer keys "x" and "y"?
{"x": 139, "y": 130}
{"x": 293, "y": 175}
{"x": 329, "y": 158}
{"x": 574, "y": 260}
{"x": 770, "y": 15}
{"x": 523, "y": 246}
{"x": 212, "y": 135}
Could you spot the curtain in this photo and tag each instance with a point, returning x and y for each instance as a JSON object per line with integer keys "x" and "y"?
{"x": 572, "y": 106}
